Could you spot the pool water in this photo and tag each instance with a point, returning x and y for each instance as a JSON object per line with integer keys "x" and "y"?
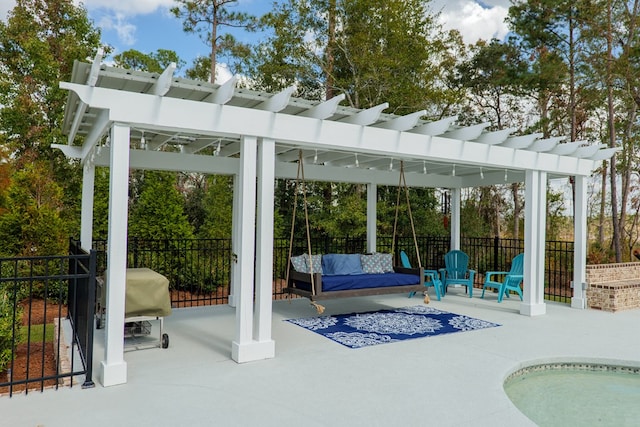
{"x": 578, "y": 395}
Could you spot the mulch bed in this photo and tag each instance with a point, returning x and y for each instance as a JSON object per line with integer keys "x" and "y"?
{"x": 41, "y": 360}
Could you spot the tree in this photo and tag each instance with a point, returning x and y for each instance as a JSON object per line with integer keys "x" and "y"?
{"x": 152, "y": 62}
{"x": 217, "y": 206}
{"x": 205, "y": 17}
{"x": 158, "y": 213}
{"x": 39, "y": 42}
{"x": 32, "y": 224}
{"x": 372, "y": 52}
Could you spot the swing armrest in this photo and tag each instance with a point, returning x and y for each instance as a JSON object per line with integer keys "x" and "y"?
{"x": 296, "y": 276}
{"x": 415, "y": 271}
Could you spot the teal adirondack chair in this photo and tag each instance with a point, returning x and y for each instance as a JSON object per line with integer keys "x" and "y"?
{"x": 511, "y": 279}
{"x": 456, "y": 271}
{"x": 430, "y": 276}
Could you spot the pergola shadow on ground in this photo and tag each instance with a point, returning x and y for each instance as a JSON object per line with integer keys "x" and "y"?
{"x": 135, "y": 120}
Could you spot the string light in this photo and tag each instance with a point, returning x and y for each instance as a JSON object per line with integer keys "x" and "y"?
{"x": 453, "y": 170}
{"x": 481, "y": 173}
{"x": 506, "y": 176}
{"x": 424, "y": 167}
{"x": 143, "y": 142}
{"x": 357, "y": 163}
{"x": 218, "y": 148}
{"x": 315, "y": 157}
{"x": 391, "y": 164}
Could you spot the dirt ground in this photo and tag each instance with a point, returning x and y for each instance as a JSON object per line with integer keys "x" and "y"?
{"x": 41, "y": 360}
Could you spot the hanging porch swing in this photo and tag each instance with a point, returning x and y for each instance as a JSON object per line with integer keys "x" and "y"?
{"x": 331, "y": 276}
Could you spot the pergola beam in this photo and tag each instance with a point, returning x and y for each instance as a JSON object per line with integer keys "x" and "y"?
{"x": 226, "y": 120}
{"x": 92, "y": 79}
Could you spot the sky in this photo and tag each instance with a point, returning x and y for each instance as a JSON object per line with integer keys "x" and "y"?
{"x": 147, "y": 25}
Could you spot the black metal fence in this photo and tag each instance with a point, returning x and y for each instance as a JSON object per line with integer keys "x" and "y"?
{"x": 199, "y": 270}
{"x": 46, "y": 321}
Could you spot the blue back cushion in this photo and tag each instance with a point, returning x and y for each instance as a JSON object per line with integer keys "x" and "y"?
{"x": 341, "y": 264}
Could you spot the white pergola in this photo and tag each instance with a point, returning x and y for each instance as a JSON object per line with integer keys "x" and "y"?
{"x": 137, "y": 120}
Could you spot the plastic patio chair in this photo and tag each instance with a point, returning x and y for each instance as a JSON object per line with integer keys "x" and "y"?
{"x": 456, "y": 271}
{"x": 511, "y": 280}
{"x": 431, "y": 275}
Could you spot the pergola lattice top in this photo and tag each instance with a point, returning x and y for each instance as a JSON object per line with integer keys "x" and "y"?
{"x": 456, "y": 156}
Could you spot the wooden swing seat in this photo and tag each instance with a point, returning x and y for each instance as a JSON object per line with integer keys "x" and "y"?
{"x": 303, "y": 285}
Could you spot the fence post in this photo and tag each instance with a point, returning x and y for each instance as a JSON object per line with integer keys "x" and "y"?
{"x": 496, "y": 245}
{"x": 91, "y": 310}
{"x": 134, "y": 249}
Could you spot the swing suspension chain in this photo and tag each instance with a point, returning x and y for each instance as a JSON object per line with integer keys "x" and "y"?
{"x": 402, "y": 184}
{"x": 301, "y": 184}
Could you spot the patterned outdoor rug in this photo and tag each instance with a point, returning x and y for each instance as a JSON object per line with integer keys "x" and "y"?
{"x": 358, "y": 330}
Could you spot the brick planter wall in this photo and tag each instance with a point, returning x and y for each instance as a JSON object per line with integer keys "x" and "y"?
{"x": 613, "y": 287}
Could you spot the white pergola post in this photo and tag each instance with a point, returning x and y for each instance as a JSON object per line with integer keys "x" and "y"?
{"x": 113, "y": 368}
{"x": 246, "y": 248}
{"x": 244, "y": 348}
{"x": 236, "y": 218}
{"x": 456, "y": 195}
{"x": 534, "y": 243}
{"x": 579, "y": 299}
{"x": 372, "y": 217}
{"x": 86, "y": 215}
{"x": 264, "y": 345}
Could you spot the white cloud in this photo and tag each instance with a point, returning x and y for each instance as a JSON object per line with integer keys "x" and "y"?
{"x": 473, "y": 20}
{"x": 125, "y": 30}
{"x": 127, "y": 8}
{"x": 222, "y": 73}
{"x": 122, "y": 7}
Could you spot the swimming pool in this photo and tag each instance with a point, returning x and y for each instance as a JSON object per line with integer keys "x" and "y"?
{"x": 577, "y": 393}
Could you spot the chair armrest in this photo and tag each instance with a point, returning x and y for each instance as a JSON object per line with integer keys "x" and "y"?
{"x": 432, "y": 275}
{"x": 488, "y": 274}
{"x": 472, "y": 274}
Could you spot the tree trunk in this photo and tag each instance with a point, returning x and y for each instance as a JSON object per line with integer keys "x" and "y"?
{"x": 329, "y": 82}
{"x": 603, "y": 202}
{"x": 612, "y": 135}
{"x": 517, "y": 208}
{"x": 214, "y": 43}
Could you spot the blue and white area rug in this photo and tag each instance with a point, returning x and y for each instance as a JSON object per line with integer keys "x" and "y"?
{"x": 358, "y": 330}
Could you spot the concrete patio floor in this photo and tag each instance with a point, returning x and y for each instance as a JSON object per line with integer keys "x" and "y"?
{"x": 447, "y": 380}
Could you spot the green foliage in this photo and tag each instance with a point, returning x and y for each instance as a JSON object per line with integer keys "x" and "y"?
{"x": 37, "y": 332}
{"x": 32, "y": 225}
{"x": 158, "y": 212}
{"x": 101, "y": 203}
{"x": 39, "y": 41}
{"x": 373, "y": 52}
{"x": 152, "y": 62}
{"x": 10, "y": 325}
{"x": 218, "y": 207}
{"x": 38, "y": 44}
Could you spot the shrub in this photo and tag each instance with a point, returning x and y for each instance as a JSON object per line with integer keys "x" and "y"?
{"x": 10, "y": 315}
